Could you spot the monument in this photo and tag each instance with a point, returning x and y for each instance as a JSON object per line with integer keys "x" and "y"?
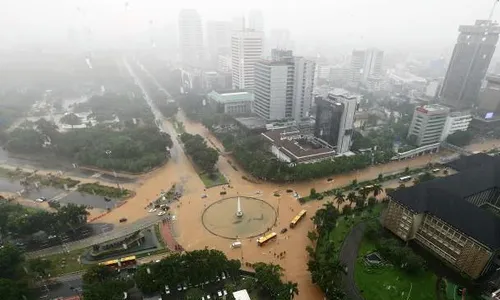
{"x": 239, "y": 212}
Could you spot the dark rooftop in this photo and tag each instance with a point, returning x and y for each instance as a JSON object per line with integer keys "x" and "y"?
{"x": 445, "y": 199}
{"x": 472, "y": 161}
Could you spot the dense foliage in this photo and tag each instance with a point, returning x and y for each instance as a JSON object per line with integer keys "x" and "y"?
{"x": 326, "y": 269}
{"x": 101, "y": 282}
{"x": 17, "y": 221}
{"x": 394, "y": 250}
{"x": 13, "y": 279}
{"x": 203, "y": 156}
{"x": 269, "y": 278}
{"x": 136, "y": 149}
{"x": 460, "y": 138}
{"x": 190, "y": 268}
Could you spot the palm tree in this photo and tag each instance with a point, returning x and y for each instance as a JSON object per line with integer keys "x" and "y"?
{"x": 292, "y": 288}
{"x": 339, "y": 198}
{"x": 376, "y": 189}
{"x": 351, "y": 197}
{"x": 364, "y": 192}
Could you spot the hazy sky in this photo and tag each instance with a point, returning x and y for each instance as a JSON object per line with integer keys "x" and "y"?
{"x": 370, "y": 22}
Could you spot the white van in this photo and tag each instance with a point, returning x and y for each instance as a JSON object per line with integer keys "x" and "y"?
{"x": 236, "y": 245}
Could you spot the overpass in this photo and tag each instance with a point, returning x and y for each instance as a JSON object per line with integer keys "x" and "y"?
{"x": 432, "y": 148}
{"x": 454, "y": 148}
{"x": 99, "y": 238}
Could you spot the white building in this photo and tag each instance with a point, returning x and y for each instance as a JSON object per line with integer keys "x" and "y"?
{"x": 241, "y": 295}
{"x": 219, "y": 38}
{"x": 190, "y": 37}
{"x": 224, "y": 63}
{"x": 231, "y": 103}
{"x": 246, "y": 50}
{"x": 456, "y": 121}
{"x": 273, "y": 90}
{"x": 357, "y": 66}
{"x": 284, "y": 87}
{"x": 366, "y": 67}
{"x": 373, "y": 64}
{"x": 428, "y": 124}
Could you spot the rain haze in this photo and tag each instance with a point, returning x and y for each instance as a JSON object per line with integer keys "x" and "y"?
{"x": 204, "y": 149}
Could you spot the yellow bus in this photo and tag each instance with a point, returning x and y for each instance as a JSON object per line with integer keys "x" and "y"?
{"x": 264, "y": 239}
{"x": 124, "y": 262}
{"x": 297, "y": 218}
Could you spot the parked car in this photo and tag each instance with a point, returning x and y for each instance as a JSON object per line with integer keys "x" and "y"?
{"x": 123, "y": 220}
{"x": 161, "y": 213}
{"x": 284, "y": 230}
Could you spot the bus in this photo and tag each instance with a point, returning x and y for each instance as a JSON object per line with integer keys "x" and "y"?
{"x": 268, "y": 237}
{"x": 121, "y": 263}
{"x": 405, "y": 178}
{"x": 297, "y": 218}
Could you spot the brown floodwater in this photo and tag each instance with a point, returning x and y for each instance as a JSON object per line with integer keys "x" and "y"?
{"x": 221, "y": 219}
{"x": 191, "y": 234}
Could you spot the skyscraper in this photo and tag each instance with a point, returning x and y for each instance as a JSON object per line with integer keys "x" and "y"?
{"x": 246, "y": 50}
{"x": 468, "y": 65}
{"x": 219, "y": 38}
{"x": 335, "y": 119}
{"x": 256, "y": 20}
{"x": 283, "y": 86}
{"x": 366, "y": 67}
{"x": 190, "y": 37}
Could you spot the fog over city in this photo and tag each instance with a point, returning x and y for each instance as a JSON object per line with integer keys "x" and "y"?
{"x": 389, "y": 24}
{"x": 249, "y": 150}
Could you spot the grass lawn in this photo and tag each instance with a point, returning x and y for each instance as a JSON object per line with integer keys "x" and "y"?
{"x": 158, "y": 235}
{"x": 388, "y": 282}
{"x": 210, "y": 181}
{"x": 344, "y": 225}
{"x": 66, "y": 262}
{"x": 451, "y": 293}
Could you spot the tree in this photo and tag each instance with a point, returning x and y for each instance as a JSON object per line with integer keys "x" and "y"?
{"x": 48, "y": 128}
{"x": 424, "y": 177}
{"x": 376, "y": 189}
{"x": 98, "y": 274}
{"x": 372, "y": 201}
{"x": 10, "y": 261}
{"x": 312, "y": 235}
{"x": 194, "y": 294}
{"x": 12, "y": 290}
{"x": 313, "y": 194}
{"x": 71, "y": 119}
{"x": 380, "y": 177}
{"x": 460, "y": 138}
{"x": 339, "y": 198}
{"x": 351, "y": 197}
{"x": 40, "y": 266}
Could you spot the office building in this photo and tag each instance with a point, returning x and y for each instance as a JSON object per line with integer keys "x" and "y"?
{"x": 246, "y": 50}
{"x": 455, "y": 218}
{"x": 255, "y": 20}
{"x": 283, "y": 86}
{"x": 191, "y": 37}
{"x": 489, "y": 98}
{"x": 357, "y": 66}
{"x": 273, "y": 89}
{"x": 366, "y": 67}
{"x": 456, "y": 121}
{"x": 468, "y": 65}
{"x": 219, "y": 38}
{"x": 428, "y": 124}
{"x": 224, "y": 63}
{"x": 232, "y": 102}
{"x": 335, "y": 119}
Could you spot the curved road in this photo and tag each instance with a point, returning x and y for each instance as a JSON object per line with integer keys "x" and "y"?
{"x": 348, "y": 256}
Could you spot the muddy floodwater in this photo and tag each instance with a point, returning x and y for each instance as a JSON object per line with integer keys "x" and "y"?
{"x": 221, "y": 219}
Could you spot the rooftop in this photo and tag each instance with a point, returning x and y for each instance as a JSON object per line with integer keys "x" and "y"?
{"x": 230, "y": 96}
{"x": 432, "y": 108}
{"x": 289, "y": 142}
{"x": 241, "y": 295}
{"x": 471, "y": 161}
{"x": 445, "y": 199}
{"x": 252, "y": 123}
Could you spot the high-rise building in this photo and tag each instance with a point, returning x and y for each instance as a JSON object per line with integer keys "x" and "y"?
{"x": 256, "y": 20}
{"x": 246, "y": 50}
{"x": 335, "y": 119}
{"x": 468, "y": 65}
{"x": 428, "y": 124}
{"x": 273, "y": 92}
{"x": 366, "y": 67}
{"x": 283, "y": 86}
{"x": 456, "y": 121}
{"x": 489, "y": 99}
{"x": 219, "y": 38}
{"x": 190, "y": 37}
{"x": 357, "y": 65}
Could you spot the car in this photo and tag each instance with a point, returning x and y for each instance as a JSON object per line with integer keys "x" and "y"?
{"x": 284, "y": 230}
{"x": 161, "y": 213}
{"x": 41, "y": 199}
{"x": 203, "y": 196}
{"x": 224, "y": 292}
{"x": 219, "y": 293}
{"x": 223, "y": 276}
{"x": 179, "y": 288}
{"x": 152, "y": 210}
{"x": 184, "y": 287}
{"x": 123, "y": 220}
